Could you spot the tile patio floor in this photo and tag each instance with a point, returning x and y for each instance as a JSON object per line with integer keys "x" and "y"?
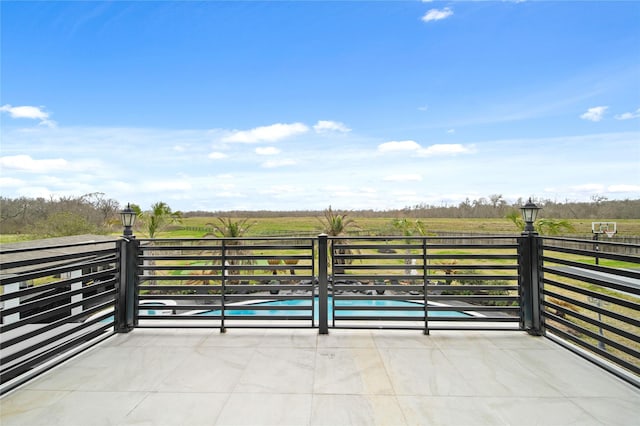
{"x": 296, "y": 377}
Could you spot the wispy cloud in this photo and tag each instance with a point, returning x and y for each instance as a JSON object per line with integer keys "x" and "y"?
{"x": 278, "y": 163}
{"x": 594, "y": 114}
{"x": 446, "y": 149}
{"x": 27, "y": 164}
{"x": 394, "y": 146}
{"x": 588, "y": 187}
{"x": 628, "y": 115}
{"x": 432, "y": 150}
{"x": 270, "y": 133}
{"x": 437, "y": 14}
{"x": 217, "y": 155}
{"x": 403, "y": 177}
{"x": 323, "y": 126}
{"x": 624, "y": 188}
{"x": 7, "y": 182}
{"x": 268, "y": 150}
{"x": 29, "y": 112}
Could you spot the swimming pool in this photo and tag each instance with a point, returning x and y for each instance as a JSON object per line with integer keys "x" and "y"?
{"x": 378, "y": 305}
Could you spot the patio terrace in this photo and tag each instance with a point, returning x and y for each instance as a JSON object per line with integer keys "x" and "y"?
{"x": 530, "y": 299}
{"x": 298, "y": 377}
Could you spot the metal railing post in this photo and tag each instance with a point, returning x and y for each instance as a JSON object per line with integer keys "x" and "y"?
{"x": 530, "y": 283}
{"x": 125, "y": 309}
{"x": 323, "y": 285}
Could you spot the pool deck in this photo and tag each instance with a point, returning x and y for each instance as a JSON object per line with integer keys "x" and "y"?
{"x": 349, "y": 377}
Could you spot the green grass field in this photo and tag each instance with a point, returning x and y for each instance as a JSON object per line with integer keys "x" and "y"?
{"x": 196, "y": 227}
{"x": 283, "y": 226}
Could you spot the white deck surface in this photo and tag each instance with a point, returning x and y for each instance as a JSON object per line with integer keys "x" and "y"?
{"x": 296, "y": 377}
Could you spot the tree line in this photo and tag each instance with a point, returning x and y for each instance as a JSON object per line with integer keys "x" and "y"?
{"x": 494, "y": 206}
{"x": 96, "y": 214}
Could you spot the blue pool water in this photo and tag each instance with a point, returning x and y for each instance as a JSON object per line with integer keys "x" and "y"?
{"x": 379, "y": 305}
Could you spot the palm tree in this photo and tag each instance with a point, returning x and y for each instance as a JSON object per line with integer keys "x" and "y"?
{"x": 336, "y": 225}
{"x": 228, "y": 228}
{"x": 544, "y": 226}
{"x": 158, "y": 218}
{"x": 409, "y": 229}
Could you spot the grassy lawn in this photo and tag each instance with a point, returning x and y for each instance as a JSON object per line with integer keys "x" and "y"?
{"x": 290, "y": 226}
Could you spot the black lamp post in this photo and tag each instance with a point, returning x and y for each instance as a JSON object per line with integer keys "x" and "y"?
{"x": 529, "y": 214}
{"x": 530, "y": 282}
{"x": 128, "y": 217}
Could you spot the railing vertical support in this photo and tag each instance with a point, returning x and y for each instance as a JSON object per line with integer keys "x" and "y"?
{"x": 323, "y": 285}
{"x": 425, "y": 272}
{"x": 530, "y": 283}
{"x": 125, "y": 310}
{"x": 223, "y": 284}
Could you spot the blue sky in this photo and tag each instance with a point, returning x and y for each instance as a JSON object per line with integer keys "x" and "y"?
{"x": 300, "y": 105}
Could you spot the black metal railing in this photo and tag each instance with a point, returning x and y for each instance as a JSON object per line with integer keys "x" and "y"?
{"x": 428, "y": 283}
{"x": 54, "y": 299}
{"x": 212, "y": 279}
{"x": 591, "y": 298}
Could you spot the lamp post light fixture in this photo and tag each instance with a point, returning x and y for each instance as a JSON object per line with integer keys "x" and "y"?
{"x": 128, "y": 217}
{"x": 529, "y": 214}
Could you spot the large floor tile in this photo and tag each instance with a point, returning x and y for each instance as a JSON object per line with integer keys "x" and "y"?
{"x": 177, "y": 409}
{"x": 362, "y": 410}
{"x": 346, "y": 339}
{"x": 572, "y": 375}
{"x": 541, "y": 411}
{"x": 408, "y": 339}
{"x": 444, "y": 410}
{"x": 207, "y": 369}
{"x": 296, "y": 338}
{"x": 234, "y": 338}
{"x": 493, "y": 372}
{"x": 253, "y": 409}
{"x": 423, "y": 372}
{"x": 351, "y": 371}
{"x": 612, "y": 411}
{"x": 26, "y": 407}
{"x": 279, "y": 370}
{"x": 81, "y": 408}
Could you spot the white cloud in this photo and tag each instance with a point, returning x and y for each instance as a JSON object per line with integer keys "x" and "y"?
{"x": 30, "y": 112}
{"x": 35, "y": 192}
{"x": 624, "y": 188}
{"x": 423, "y": 108}
{"x": 217, "y": 155}
{"x": 595, "y": 113}
{"x": 323, "y": 126}
{"x": 451, "y": 131}
{"x": 165, "y": 185}
{"x": 278, "y": 163}
{"x": 437, "y": 149}
{"x": 393, "y": 146}
{"x": 446, "y": 149}
{"x": 403, "y": 177}
{"x": 588, "y": 187}
{"x": 270, "y": 133}
{"x": 437, "y": 14}
{"x": 230, "y": 194}
{"x": 27, "y": 164}
{"x": 628, "y": 115}
{"x": 268, "y": 150}
{"x": 8, "y": 182}
{"x": 279, "y": 190}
